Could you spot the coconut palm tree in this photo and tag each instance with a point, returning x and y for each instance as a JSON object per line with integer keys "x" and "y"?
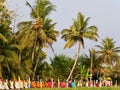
{"x": 77, "y": 32}
{"x": 91, "y": 62}
{"x": 5, "y": 21}
{"x": 6, "y": 55}
{"x": 108, "y": 52}
{"x": 22, "y": 47}
{"x": 41, "y": 29}
{"x": 94, "y": 63}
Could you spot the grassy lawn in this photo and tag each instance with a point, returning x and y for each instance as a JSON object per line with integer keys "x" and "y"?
{"x": 83, "y": 88}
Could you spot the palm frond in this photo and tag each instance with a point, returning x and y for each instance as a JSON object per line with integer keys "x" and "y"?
{"x": 65, "y": 31}
{"x": 33, "y": 11}
{"x": 15, "y": 46}
{"x": 69, "y": 44}
{"x": 2, "y": 37}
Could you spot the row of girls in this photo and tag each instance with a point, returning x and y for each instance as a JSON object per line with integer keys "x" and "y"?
{"x": 20, "y": 84}
{"x": 13, "y": 84}
{"x": 42, "y": 84}
{"x": 51, "y": 84}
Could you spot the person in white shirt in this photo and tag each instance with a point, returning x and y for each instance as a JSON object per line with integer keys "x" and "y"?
{"x": 21, "y": 84}
{"x": 6, "y": 84}
{"x": 1, "y": 84}
{"x": 25, "y": 84}
{"x": 17, "y": 86}
{"x": 11, "y": 84}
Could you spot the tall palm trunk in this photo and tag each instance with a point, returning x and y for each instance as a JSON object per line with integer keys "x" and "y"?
{"x": 76, "y": 59}
{"x": 34, "y": 47}
{"x": 36, "y": 64}
{"x": 0, "y": 70}
{"x": 91, "y": 65}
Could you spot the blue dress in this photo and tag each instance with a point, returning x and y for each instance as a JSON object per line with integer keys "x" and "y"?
{"x": 73, "y": 84}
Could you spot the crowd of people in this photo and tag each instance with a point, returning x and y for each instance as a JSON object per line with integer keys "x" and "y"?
{"x": 13, "y": 84}
{"x": 20, "y": 84}
{"x": 95, "y": 83}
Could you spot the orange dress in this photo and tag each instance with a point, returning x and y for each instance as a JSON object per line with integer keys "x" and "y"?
{"x": 33, "y": 84}
{"x": 43, "y": 84}
{"x": 38, "y": 84}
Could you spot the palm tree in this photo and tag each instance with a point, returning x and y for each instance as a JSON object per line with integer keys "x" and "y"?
{"x": 91, "y": 63}
{"x": 22, "y": 47}
{"x": 5, "y": 21}
{"x": 41, "y": 29}
{"x": 6, "y": 54}
{"x": 108, "y": 52}
{"x": 94, "y": 63}
{"x": 77, "y": 32}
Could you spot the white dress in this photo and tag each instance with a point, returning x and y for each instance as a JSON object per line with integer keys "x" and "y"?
{"x": 21, "y": 84}
{"x": 25, "y": 84}
{"x": 17, "y": 86}
{"x": 1, "y": 85}
{"x": 6, "y": 84}
{"x": 11, "y": 84}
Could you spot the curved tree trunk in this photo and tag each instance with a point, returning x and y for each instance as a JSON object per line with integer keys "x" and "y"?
{"x": 76, "y": 59}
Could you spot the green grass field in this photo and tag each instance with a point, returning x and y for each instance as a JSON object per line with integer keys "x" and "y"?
{"x": 83, "y": 88}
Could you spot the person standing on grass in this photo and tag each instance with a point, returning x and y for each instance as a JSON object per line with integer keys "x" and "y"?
{"x": 17, "y": 86}
{"x": 25, "y": 84}
{"x": 52, "y": 83}
{"x": 73, "y": 84}
{"x": 11, "y": 84}
{"x": 1, "y": 84}
{"x": 6, "y": 84}
{"x": 33, "y": 84}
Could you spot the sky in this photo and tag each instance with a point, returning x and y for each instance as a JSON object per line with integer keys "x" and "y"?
{"x": 104, "y": 14}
